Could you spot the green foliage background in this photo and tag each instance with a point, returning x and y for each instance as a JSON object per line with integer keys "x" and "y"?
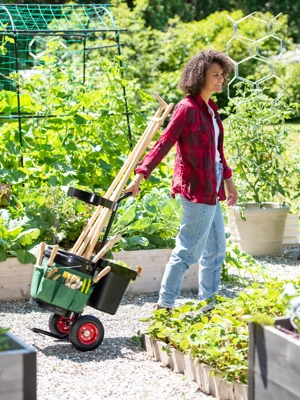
{"x": 87, "y": 142}
{"x": 156, "y": 13}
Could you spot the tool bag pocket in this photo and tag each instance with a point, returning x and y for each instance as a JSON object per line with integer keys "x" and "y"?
{"x": 80, "y": 300}
{"x": 36, "y": 279}
{"x": 64, "y": 296}
{"x": 46, "y": 290}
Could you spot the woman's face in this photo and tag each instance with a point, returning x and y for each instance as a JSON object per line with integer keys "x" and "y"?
{"x": 213, "y": 79}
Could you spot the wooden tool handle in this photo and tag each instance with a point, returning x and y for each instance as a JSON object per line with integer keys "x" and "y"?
{"x": 52, "y": 255}
{"x": 160, "y": 100}
{"x": 101, "y": 274}
{"x": 51, "y": 272}
{"x": 108, "y": 246}
{"x": 40, "y": 254}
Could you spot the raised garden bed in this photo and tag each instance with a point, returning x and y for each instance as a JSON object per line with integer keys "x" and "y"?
{"x": 15, "y": 280}
{"x": 153, "y": 264}
{"x": 17, "y": 369}
{"x": 274, "y": 362}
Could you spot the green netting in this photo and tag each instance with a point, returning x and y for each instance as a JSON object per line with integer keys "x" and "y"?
{"x": 64, "y": 18}
{"x": 62, "y": 46}
{"x": 27, "y": 30}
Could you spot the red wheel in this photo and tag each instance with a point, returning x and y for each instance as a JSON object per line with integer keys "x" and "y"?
{"x": 59, "y": 325}
{"x": 86, "y": 333}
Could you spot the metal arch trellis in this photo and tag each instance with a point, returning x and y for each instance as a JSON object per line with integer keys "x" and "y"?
{"x": 255, "y": 53}
{"x": 22, "y": 25}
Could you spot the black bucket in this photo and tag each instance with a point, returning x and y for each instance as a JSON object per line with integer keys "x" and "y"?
{"x": 67, "y": 259}
{"x": 109, "y": 291}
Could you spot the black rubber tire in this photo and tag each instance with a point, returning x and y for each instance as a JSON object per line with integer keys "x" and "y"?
{"x": 54, "y": 322}
{"x": 86, "y": 333}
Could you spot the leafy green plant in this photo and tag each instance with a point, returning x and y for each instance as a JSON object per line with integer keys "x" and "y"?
{"x": 16, "y": 240}
{"x": 219, "y": 338}
{"x": 47, "y": 214}
{"x": 83, "y": 136}
{"x": 258, "y": 143}
{"x": 148, "y": 223}
{"x": 238, "y": 261}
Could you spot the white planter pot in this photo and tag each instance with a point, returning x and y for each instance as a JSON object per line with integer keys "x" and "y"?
{"x": 262, "y": 231}
{"x": 177, "y": 360}
{"x": 153, "y": 264}
{"x": 202, "y": 376}
{"x": 150, "y": 345}
{"x": 165, "y": 354}
{"x": 290, "y": 235}
{"x": 240, "y": 391}
{"x": 147, "y": 344}
{"x": 189, "y": 368}
{"x": 291, "y": 231}
{"x": 15, "y": 280}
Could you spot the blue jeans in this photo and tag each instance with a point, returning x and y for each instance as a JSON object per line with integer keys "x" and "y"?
{"x": 201, "y": 238}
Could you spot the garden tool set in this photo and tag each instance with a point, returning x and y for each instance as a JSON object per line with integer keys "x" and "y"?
{"x": 64, "y": 282}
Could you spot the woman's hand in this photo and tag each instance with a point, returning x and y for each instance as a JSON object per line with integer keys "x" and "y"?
{"x": 232, "y": 194}
{"x": 134, "y": 185}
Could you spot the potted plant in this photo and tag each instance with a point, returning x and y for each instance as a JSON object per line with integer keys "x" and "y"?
{"x": 18, "y": 368}
{"x": 258, "y": 142}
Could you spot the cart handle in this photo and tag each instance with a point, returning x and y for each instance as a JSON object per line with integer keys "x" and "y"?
{"x": 124, "y": 196}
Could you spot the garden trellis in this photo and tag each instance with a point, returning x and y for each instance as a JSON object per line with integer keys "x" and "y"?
{"x": 27, "y": 31}
{"x": 263, "y": 52}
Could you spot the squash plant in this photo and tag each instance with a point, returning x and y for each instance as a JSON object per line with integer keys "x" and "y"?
{"x": 219, "y": 338}
{"x": 82, "y": 137}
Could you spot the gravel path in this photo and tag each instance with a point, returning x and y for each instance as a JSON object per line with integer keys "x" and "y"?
{"x": 119, "y": 368}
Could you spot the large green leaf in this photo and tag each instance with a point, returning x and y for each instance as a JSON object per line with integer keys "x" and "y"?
{"x": 141, "y": 224}
{"x": 28, "y": 237}
{"x": 127, "y": 217}
{"x": 135, "y": 242}
{"x": 24, "y": 256}
{"x": 3, "y": 243}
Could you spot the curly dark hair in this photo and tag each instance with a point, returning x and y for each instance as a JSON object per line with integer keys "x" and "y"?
{"x": 193, "y": 74}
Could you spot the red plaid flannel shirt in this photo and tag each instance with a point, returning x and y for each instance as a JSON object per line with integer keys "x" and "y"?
{"x": 191, "y": 128}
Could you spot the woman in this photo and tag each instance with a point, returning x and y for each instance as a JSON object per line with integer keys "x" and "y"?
{"x": 199, "y": 175}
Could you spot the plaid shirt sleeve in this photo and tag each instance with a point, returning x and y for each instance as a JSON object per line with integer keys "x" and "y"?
{"x": 165, "y": 142}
